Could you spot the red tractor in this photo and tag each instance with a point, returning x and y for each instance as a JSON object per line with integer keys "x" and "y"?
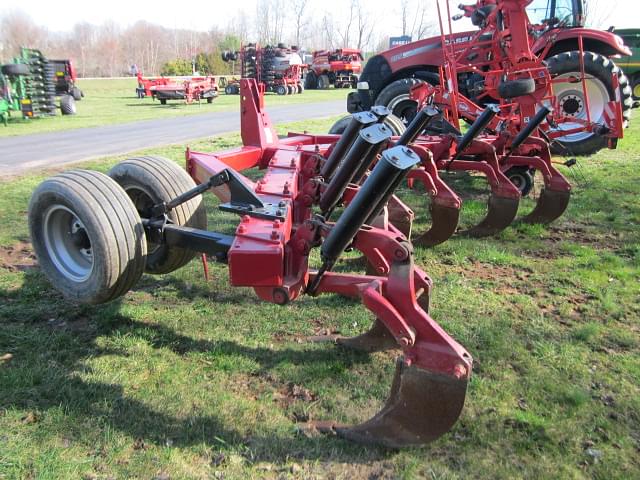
{"x": 65, "y": 78}
{"x": 339, "y": 68}
{"x": 278, "y": 68}
{"x": 585, "y": 78}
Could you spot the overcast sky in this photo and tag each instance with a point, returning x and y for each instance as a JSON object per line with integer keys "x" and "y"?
{"x": 203, "y": 14}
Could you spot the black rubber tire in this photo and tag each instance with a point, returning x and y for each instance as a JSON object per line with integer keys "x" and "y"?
{"x": 396, "y": 97}
{"x": 340, "y": 126}
{"x": 209, "y": 99}
{"x": 394, "y": 123}
{"x": 516, "y": 88}
{"x": 76, "y": 93}
{"x": 323, "y": 82}
{"x": 150, "y": 180}
{"x": 15, "y": 69}
{"x": 300, "y": 88}
{"x": 601, "y": 68}
{"x": 163, "y": 101}
{"x": 291, "y": 90}
{"x": 281, "y": 90}
{"x": 228, "y": 90}
{"x": 67, "y": 105}
{"x": 522, "y": 178}
{"x": 311, "y": 80}
{"x": 112, "y": 225}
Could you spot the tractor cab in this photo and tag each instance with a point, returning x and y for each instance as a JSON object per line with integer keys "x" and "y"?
{"x": 557, "y": 13}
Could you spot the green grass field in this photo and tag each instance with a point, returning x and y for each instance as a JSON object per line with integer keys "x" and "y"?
{"x": 109, "y": 101}
{"x": 188, "y": 379}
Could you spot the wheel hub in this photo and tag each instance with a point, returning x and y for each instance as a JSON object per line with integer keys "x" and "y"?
{"x": 68, "y": 243}
{"x": 572, "y": 105}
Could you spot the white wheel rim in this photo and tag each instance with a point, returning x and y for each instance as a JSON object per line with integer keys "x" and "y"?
{"x": 570, "y": 99}
{"x": 68, "y": 244}
{"x": 399, "y": 100}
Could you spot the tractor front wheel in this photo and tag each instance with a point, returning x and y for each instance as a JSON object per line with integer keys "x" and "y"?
{"x": 599, "y": 71}
{"x": 152, "y": 180}
{"x": 323, "y": 82}
{"x": 396, "y": 98}
{"x": 311, "y": 80}
{"x": 87, "y": 235}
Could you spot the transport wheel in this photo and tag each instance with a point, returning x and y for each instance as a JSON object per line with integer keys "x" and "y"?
{"x": 291, "y": 90}
{"x": 87, "y": 235}
{"x": 311, "y": 80}
{"x": 522, "y": 178}
{"x": 599, "y": 71}
{"x": 281, "y": 90}
{"x": 151, "y": 180}
{"x": 323, "y": 82}
{"x": 209, "y": 99}
{"x": 300, "y": 88}
{"x": 76, "y": 93}
{"x": 339, "y": 127}
{"x": 228, "y": 90}
{"x": 163, "y": 101}
{"x": 516, "y": 88}
{"x": 67, "y": 105}
{"x": 15, "y": 69}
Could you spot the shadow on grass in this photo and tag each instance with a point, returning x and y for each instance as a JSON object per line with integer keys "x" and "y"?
{"x": 51, "y": 341}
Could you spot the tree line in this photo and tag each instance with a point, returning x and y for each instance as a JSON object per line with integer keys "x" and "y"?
{"x": 110, "y": 49}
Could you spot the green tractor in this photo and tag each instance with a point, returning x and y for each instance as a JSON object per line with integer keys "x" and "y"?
{"x": 631, "y": 65}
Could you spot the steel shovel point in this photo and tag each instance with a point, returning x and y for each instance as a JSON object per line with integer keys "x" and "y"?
{"x": 551, "y": 205}
{"x": 444, "y": 221}
{"x": 501, "y": 213}
{"x": 422, "y": 407}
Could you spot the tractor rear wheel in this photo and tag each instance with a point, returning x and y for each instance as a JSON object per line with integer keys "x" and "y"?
{"x": 151, "y": 180}
{"x": 311, "y": 80}
{"x": 323, "y": 82}
{"x": 599, "y": 71}
{"x": 67, "y": 105}
{"x": 87, "y": 235}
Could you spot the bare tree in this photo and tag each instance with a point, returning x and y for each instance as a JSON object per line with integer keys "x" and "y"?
{"x": 17, "y": 29}
{"x": 301, "y": 22}
{"x": 597, "y": 13}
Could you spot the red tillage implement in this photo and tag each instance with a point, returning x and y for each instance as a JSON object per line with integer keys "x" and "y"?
{"x": 95, "y": 234}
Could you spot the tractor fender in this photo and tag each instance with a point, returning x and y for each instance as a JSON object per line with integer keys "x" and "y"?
{"x": 596, "y": 41}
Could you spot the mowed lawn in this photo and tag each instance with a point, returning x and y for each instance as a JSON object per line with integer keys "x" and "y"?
{"x": 110, "y": 101}
{"x": 184, "y": 378}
